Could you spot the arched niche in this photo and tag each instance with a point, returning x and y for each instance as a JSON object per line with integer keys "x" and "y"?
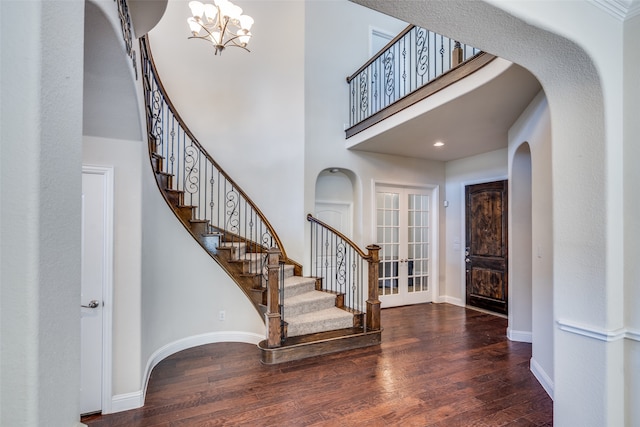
{"x": 520, "y": 246}
{"x": 334, "y": 199}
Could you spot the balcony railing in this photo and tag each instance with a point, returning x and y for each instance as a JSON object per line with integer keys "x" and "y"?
{"x": 412, "y": 59}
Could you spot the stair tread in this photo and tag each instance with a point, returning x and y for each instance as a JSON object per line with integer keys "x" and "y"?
{"x": 295, "y": 280}
{"x": 309, "y": 297}
{"x": 320, "y": 315}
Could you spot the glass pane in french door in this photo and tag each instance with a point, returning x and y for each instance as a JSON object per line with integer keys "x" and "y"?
{"x": 418, "y": 242}
{"x": 388, "y": 236}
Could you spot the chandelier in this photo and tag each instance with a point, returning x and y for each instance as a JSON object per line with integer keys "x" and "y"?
{"x": 221, "y": 23}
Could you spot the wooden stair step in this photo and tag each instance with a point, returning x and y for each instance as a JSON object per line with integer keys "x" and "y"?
{"x": 240, "y": 248}
{"x": 210, "y": 241}
{"x": 165, "y": 180}
{"x": 302, "y": 347}
{"x": 176, "y": 197}
{"x": 199, "y": 226}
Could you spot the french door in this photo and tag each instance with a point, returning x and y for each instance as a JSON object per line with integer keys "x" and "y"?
{"x": 404, "y": 233}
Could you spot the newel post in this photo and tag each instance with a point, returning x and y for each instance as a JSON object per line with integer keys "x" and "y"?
{"x": 457, "y": 55}
{"x": 373, "y": 303}
{"x": 272, "y": 316}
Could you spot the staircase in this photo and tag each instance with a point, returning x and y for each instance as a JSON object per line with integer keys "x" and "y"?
{"x": 315, "y": 322}
{"x": 305, "y": 316}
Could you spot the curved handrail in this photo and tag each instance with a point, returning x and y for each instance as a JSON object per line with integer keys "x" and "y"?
{"x": 360, "y": 252}
{"x": 202, "y": 179}
{"x": 344, "y": 268}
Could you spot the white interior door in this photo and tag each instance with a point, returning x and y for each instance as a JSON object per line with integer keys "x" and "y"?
{"x": 336, "y": 214}
{"x": 94, "y": 221}
{"x": 404, "y": 232}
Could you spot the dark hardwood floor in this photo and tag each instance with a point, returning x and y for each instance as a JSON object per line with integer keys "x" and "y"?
{"x": 438, "y": 365}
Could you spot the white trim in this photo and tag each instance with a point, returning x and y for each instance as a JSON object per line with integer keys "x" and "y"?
{"x": 545, "y": 380}
{"x": 133, "y": 400}
{"x": 107, "y": 291}
{"x": 126, "y": 401}
{"x": 619, "y": 9}
{"x": 633, "y": 335}
{"x": 519, "y": 336}
{"x": 451, "y": 300}
{"x": 463, "y": 206}
{"x": 434, "y": 214}
{"x": 189, "y": 342}
{"x": 377, "y": 32}
{"x": 595, "y": 332}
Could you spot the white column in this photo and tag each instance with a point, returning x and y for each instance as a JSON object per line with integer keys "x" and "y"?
{"x": 40, "y": 163}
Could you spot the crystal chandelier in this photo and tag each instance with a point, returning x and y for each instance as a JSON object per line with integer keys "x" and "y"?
{"x": 221, "y": 23}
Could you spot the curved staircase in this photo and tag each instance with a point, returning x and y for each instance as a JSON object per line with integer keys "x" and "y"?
{"x": 308, "y": 317}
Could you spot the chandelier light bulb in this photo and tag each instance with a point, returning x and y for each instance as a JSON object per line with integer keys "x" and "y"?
{"x": 246, "y": 22}
{"x": 197, "y": 9}
{"x": 221, "y": 23}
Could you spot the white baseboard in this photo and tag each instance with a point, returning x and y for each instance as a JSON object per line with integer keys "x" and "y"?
{"x": 545, "y": 381}
{"x": 124, "y": 402}
{"x": 519, "y": 336}
{"x": 451, "y": 300}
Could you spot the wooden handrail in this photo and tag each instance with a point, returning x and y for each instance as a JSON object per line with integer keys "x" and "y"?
{"x": 146, "y": 52}
{"x": 311, "y": 218}
{"x": 377, "y": 55}
{"x": 372, "y": 304}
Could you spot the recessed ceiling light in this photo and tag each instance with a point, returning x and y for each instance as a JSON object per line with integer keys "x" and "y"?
{"x": 438, "y": 144}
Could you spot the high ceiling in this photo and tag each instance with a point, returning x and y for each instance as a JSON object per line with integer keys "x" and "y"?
{"x": 470, "y": 117}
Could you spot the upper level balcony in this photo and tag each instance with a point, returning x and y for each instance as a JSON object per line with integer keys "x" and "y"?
{"x": 424, "y": 88}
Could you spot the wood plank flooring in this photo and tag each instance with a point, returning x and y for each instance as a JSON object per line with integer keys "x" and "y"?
{"x": 438, "y": 365}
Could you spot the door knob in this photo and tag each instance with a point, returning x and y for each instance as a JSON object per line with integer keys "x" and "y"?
{"x": 92, "y": 304}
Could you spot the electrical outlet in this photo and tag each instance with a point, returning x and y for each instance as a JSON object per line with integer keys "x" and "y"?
{"x": 222, "y": 315}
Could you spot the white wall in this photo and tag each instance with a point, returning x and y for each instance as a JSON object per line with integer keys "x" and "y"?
{"x": 486, "y": 167}
{"x": 183, "y": 288}
{"x": 246, "y": 109}
{"x": 127, "y": 158}
{"x": 581, "y": 73}
{"x": 631, "y": 215}
{"x": 40, "y": 187}
{"x": 331, "y": 57}
{"x": 533, "y": 127}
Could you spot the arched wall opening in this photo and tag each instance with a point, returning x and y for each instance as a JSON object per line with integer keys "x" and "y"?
{"x": 520, "y": 246}
{"x": 583, "y": 291}
{"x": 334, "y": 199}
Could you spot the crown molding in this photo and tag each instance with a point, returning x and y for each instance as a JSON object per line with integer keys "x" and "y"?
{"x": 619, "y": 9}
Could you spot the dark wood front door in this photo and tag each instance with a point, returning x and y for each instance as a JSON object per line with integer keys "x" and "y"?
{"x": 486, "y": 246}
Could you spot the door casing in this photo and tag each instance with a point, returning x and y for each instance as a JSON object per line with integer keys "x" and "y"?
{"x": 107, "y": 292}
{"x": 463, "y": 229}
{"x": 491, "y": 263}
{"x": 434, "y": 273}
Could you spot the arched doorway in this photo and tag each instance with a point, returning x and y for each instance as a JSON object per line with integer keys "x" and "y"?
{"x": 587, "y": 392}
